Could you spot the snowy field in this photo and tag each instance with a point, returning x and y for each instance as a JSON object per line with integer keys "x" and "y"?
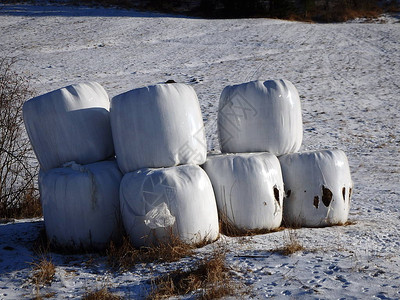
{"x": 348, "y": 76}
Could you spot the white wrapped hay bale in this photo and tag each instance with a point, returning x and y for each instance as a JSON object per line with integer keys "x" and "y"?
{"x": 260, "y": 116}
{"x": 70, "y": 124}
{"x": 158, "y": 126}
{"x": 156, "y": 203}
{"x": 248, "y": 188}
{"x": 318, "y": 188}
{"x": 81, "y": 204}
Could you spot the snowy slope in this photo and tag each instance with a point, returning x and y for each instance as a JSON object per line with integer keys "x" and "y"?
{"x": 348, "y": 77}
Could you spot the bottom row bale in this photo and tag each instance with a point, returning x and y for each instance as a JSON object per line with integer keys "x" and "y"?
{"x": 156, "y": 203}
{"x": 81, "y": 204}
{"x": 248, "y": 188}
{"x": 318, "y": 188}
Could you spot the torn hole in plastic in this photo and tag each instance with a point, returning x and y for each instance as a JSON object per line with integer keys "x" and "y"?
{"x": 344, "y": 194}
{"x": 316, "y": 201}
{"x": 276, "y": 194}
{"x": 326, "y": 196}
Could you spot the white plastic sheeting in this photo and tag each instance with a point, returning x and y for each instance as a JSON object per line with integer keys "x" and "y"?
{"x": 81, "y": 204}
{"x": 248, "y": 188}
{"x": 70, "y": 124}
{"x": 318, "y": 188}
{"x": 260, "y": 116}
{"x": 156, "y": 203}
{"x": 158, "y": 126}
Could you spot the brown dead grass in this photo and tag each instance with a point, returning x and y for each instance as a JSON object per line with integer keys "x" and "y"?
{"x": 347, "y": 223}
{"x": 209, "y": 279}
{"x": 43, "y": 271}
{"x": 291, "y": 245}
{"x": 227, "y": 228}
{"x": 102, "y": 294}
{"x": 124, "y": 256}
{"x": 28, "y": 206}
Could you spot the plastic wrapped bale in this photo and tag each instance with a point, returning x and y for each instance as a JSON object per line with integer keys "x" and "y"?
{"x": 158, "y": 204}
{"x": 248, "y": 188}
{"x": 260, "y": 116}
{"x": 81, "y": 204}
{"x": 70, "y": 124}
{"x": 158, "y": 126}
{"x": 318, "y": 188}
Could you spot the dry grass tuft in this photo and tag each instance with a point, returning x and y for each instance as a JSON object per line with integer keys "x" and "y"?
{"x": 102, "y": 294}
{"x": 43, "y": 271}
{"x": 226, "y": 227}
{"x": 348, "y": 223}
{"x": 292, "y": 244}
{"x": 209, "y": 279}
{"x": 124, "y": 256}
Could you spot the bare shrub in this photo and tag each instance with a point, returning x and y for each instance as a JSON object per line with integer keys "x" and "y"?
{"x": 210, "y": 278}
{"x": 101, "y": 294}
{"x": 18, "y": 194}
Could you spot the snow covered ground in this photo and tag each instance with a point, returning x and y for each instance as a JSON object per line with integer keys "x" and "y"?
{"x": 348, "y": 76}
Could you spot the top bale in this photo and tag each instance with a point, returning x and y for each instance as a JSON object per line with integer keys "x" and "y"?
{"x": 70, "y": 124}
{"x": 260, "y": 116}
{"x": 158, "y": 126}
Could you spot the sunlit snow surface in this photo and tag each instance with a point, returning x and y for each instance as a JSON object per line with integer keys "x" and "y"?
{"x": 348, "y": 78}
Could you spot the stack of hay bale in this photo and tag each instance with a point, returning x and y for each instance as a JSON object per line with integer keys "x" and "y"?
{"x": 249, "y": 187}
{"x": 159, "y": 142}
{"x": 70, "y": 133}
{"x": 156, "y": 184}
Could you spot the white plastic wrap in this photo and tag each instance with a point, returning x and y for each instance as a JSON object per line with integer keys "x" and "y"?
{"x": 158, "y": 126}
{"x": 248, "y": 188}
{"x": 260, "y": 116}
{"x": 70, "y": 124}
{"x": 318, "y": 188}
{"x": 81, "y": 204}
{"x": 178, "y": 200}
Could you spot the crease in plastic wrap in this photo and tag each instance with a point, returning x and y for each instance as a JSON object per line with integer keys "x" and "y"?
{"x": 318, "y": 188}
{"x": 260, "y": 117}
{"x": 70, "y": 124}
{"x": 248, "y": 188}
{"x": 158, "y": 126}
{"x": 156, "y": 203}
{"x": 81, "y": 204}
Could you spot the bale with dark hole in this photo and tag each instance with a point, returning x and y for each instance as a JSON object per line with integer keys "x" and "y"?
{"x": 317, "y": 182}
{"x": 248, "y": 189}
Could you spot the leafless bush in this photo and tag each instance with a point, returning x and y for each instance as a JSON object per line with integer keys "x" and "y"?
{"x": 18, "y": 194}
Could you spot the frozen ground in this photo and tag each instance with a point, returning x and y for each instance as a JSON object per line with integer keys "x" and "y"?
{"x": 348, "y": 76}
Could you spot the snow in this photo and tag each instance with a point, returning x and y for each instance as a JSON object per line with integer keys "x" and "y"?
{"x": 347, "y": 75}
